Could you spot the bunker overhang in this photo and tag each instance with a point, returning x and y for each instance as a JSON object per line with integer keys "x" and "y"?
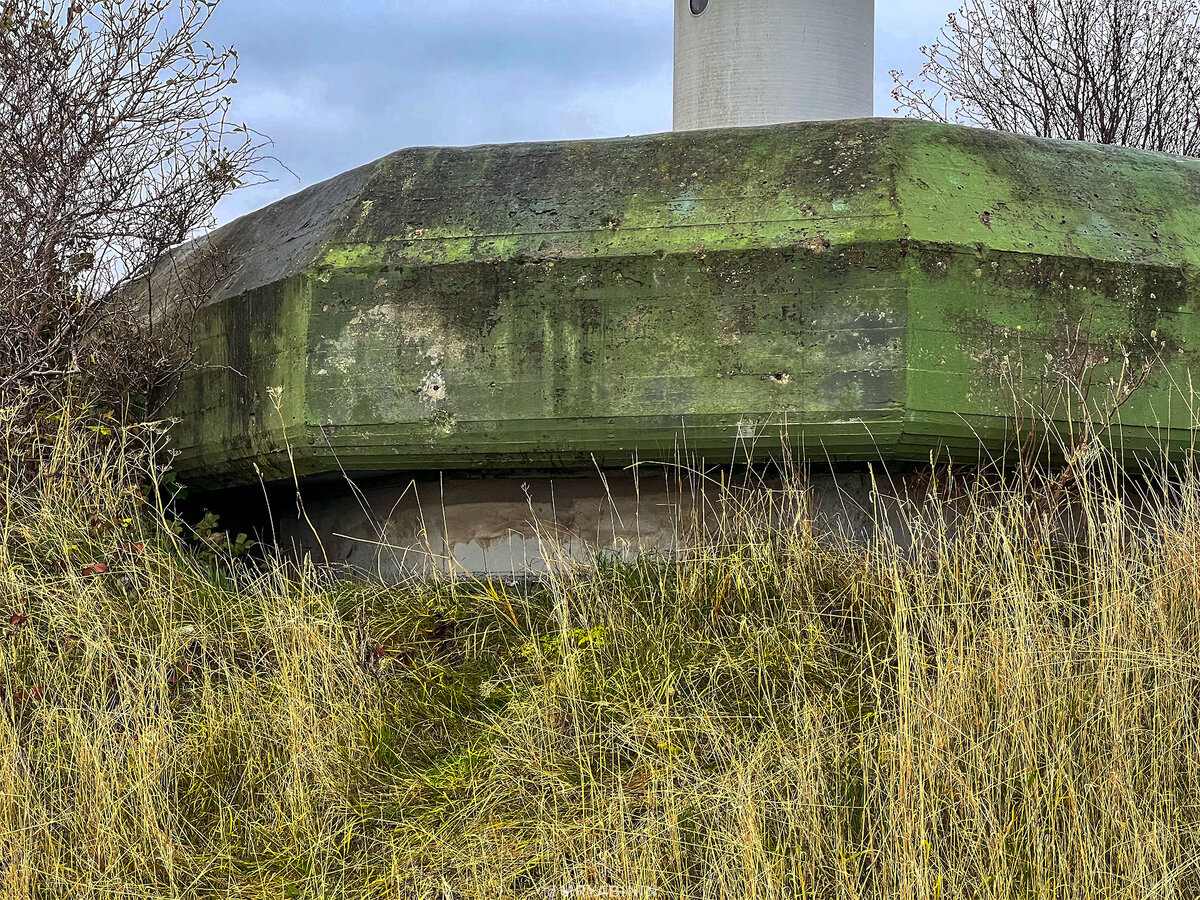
{"x": 859, "y": 290}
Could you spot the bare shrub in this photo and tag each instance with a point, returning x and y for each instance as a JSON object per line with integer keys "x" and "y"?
{"x": 1123, "y": 72}
{"x": 115, "y": 146}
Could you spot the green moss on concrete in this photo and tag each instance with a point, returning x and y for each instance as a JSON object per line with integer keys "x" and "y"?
{"x": 244, "y": 405}
{"x": 874, "y": 288}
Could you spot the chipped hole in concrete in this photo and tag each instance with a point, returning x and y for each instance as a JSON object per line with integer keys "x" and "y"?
{"x": 434, "y": 387}
{"x": 780, "y": 378}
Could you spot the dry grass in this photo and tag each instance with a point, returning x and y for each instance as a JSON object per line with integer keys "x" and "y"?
{"x": 997, "y": 710}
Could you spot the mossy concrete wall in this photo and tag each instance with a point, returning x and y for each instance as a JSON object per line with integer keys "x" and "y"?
{"x": 861, "y": 290}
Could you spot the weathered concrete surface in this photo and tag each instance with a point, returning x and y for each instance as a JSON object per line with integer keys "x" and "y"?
{"x": 394, "y": 527}
{"x": 858, "y": 290}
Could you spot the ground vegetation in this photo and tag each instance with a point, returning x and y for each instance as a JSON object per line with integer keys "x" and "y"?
{"x": 1003, "y": 704}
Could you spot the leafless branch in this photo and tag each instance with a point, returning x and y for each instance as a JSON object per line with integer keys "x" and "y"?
{"x": 1121, "y": 72}
{"x": 115, "y": 146}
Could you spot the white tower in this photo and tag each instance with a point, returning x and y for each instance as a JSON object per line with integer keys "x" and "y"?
{"x": 757, "y": 62}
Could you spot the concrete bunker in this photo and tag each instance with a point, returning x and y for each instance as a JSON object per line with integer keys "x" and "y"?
{"x": 526, "y": 328}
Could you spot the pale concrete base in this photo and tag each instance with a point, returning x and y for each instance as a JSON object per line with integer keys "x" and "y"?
{"x": 509, "y": 526}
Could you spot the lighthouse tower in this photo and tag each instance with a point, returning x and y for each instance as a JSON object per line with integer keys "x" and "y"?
{"x": 758, "y": 62}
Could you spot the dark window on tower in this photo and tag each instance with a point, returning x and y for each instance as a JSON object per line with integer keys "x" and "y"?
{"x": 699, "y": 6}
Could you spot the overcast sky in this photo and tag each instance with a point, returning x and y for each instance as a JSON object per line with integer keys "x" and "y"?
{"x": 337, "y": 83}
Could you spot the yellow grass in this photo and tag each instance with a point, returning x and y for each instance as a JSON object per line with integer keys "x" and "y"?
{"x": 1001, "y": 707}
